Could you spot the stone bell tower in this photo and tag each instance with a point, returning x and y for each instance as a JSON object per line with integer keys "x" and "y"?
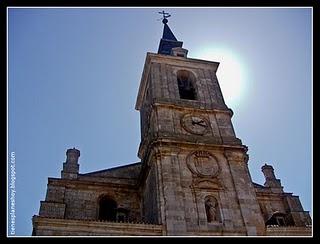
{"x": 193, "y": 165}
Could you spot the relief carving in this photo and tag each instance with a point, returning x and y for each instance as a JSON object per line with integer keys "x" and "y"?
{"x": 203, "y": 164}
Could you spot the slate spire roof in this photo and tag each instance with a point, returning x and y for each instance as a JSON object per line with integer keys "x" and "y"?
{"x": 167, "y": 33}
{"x": 168, "y": 40}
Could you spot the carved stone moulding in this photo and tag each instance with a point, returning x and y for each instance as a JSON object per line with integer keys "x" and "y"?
{"x": 207, "y": 183}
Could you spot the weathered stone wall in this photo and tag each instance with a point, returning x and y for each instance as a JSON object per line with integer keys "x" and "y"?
{"x": 150, "y": 197}
{"x": 163, "y": 77}
{"x": 145, "y": 111}
{"x": 185, "y": 191}
{"x": 52, "y": 209}
{"x": 81, "y": 199}
{"x": 173, "y": 209}
{"x": 245, "y": 192}
{"x": 270, "y": 203}
{"x": 170, "y": 122}
{"x": 285, "y": 203}
{"x": 55, "y": 193}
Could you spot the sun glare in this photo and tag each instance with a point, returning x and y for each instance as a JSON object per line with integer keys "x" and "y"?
{"x": 231, "y": 73}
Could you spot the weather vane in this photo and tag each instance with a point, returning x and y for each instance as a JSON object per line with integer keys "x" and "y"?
{"x": 165, "y": 16}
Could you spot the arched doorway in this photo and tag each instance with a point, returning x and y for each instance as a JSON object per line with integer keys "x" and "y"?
{"x": 107, "y": 209}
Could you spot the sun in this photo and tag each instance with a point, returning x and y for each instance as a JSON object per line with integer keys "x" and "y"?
{"x": 231, "y": 73}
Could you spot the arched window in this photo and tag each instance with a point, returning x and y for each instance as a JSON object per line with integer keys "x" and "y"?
{"x": 186, "y": 82}
{"x": 107, "y": 209}
{"x": 277, "y": 218}
{"x": 212, "y": 209}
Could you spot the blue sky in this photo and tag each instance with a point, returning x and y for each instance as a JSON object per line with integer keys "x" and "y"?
{"x": 74, "y": 76}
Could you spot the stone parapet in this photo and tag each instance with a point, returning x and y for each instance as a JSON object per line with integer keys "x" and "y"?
{"x": 288, "y": 231}
{"x": 71, "y": 227}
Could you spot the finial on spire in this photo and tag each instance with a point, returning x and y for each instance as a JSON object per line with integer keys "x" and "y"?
{"x": 165, "y": 16}
{"x": 168, "y": 40}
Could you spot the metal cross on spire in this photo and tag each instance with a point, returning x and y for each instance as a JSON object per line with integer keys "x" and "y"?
{"x": 165, "y": 16}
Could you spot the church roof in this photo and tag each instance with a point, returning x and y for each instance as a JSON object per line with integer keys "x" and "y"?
{"x": 257, "y": 185}
{"x": 125, "y": 171}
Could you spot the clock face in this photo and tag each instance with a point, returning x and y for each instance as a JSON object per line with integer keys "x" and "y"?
{"x": 195, "y": 124}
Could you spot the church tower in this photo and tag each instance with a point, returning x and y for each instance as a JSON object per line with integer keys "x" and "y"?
{"x": 194, "y": 168}
{"x": 193, "y": 178}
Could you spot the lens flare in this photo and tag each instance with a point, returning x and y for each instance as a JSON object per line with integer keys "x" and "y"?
{"x": 230, "y": 73}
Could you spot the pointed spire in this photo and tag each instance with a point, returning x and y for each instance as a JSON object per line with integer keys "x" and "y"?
{"x": 167, "y": 33}
{"x": 168, "y": 40}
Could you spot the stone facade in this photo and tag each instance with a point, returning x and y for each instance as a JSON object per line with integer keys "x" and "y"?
{"x": 193, "y": 178}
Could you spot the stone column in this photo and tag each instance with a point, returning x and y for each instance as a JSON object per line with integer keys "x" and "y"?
{"x": 245, "y": 192}
{"x": 71, "y": 166}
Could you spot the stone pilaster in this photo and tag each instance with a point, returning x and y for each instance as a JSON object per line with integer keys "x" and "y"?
{"x": 173, "y": 204}
{"x": 249, "y": 206}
